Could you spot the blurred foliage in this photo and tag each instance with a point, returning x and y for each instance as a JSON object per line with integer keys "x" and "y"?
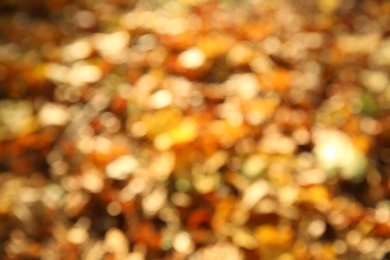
{"x": 194, "y": 129}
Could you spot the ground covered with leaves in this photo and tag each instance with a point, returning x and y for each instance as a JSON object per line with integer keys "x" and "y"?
{"x": 193, "y": 129}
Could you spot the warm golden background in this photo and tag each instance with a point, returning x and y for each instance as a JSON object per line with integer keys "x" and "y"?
{"x": 191, "y": 129}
